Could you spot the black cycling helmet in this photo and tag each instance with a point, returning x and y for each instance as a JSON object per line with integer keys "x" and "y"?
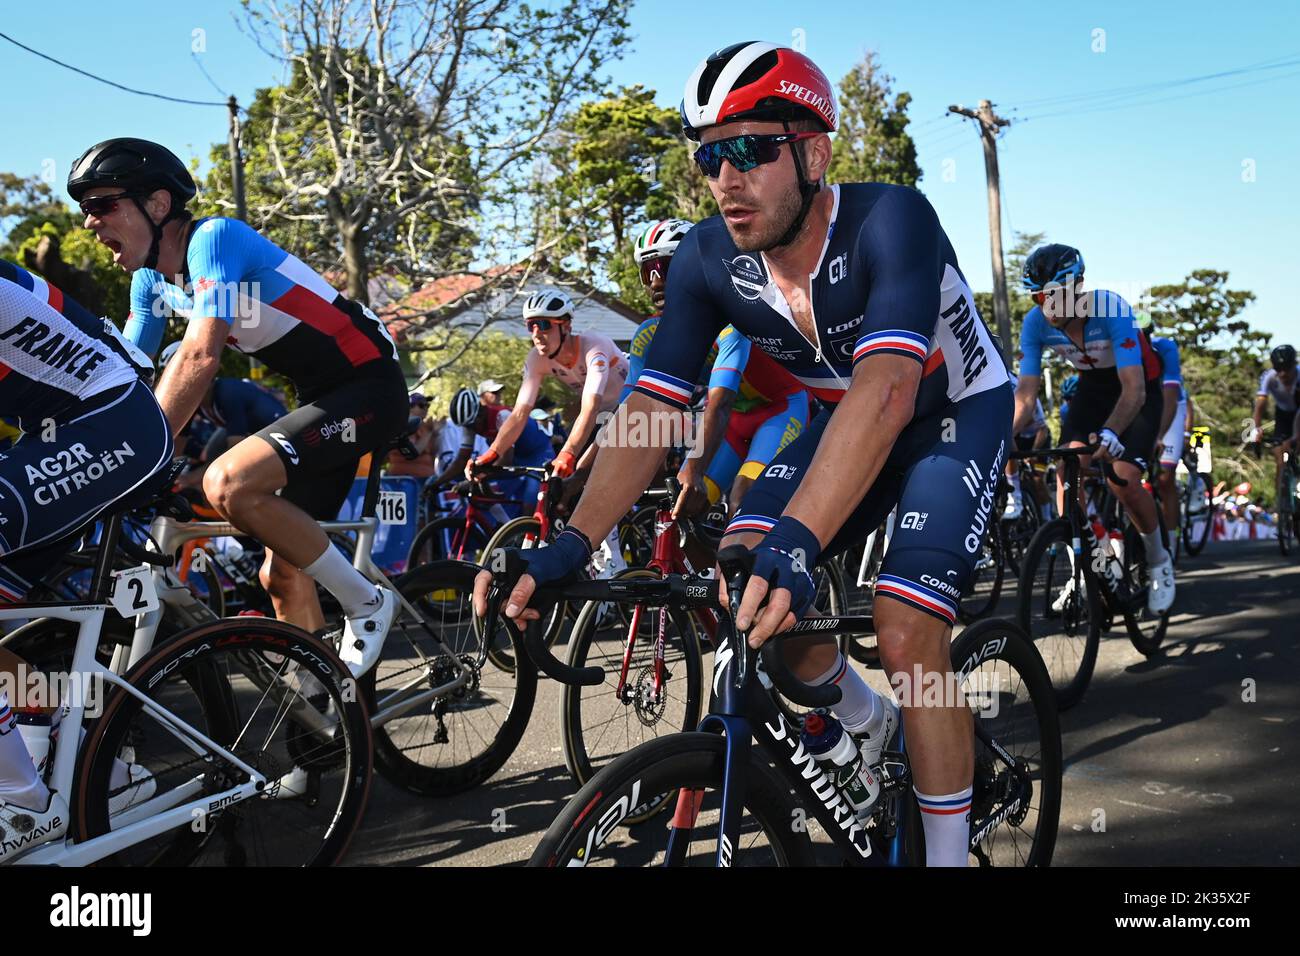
{"x": 1282, "y": 357}
{"x": 139, "y": 167}
{"x": 1054, "y": 263}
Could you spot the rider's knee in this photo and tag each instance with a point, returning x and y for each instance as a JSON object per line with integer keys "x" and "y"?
{"x": 220, "y": 483}
{"x": 902, "y": 645}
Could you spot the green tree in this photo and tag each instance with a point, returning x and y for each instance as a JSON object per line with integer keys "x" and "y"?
{"x": 1222, "y": 358}
{"x": 606, "y": 157}
{"x": 1018, "y": 302}
{"x": 872, "y": 144}
{"x": 26, "y": 204}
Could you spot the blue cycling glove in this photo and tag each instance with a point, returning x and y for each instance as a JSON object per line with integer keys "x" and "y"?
{"x": 563, "y": 560}
{"x": 784, "y": 558}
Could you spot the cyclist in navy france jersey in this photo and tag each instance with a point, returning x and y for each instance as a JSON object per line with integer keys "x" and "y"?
{"x": 1118, "y": 401}
{"x": 857, "y": 292}
{"x": 237, "y": 288}
{"x": 92, "y": 431}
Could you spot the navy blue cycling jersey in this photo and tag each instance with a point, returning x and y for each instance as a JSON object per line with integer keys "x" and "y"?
{"x": 887, "y": 282}
{"x": 242, "y": 407}
{"x": 54, "y": 355}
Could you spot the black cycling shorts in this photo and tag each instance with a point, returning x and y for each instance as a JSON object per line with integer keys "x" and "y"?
{"x": 1283, "y": 422}
{"x": 1093, "y": 404}
{"x": 322, "y": 441}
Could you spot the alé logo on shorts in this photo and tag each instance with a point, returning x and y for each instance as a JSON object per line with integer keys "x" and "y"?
{"x": 914, "y": 520}
{"x": 780, "y": 471}
{"x": 746, "y": 276}
{"x": 822, "y": 785}
{"x": 965, "y": 325}
{"x": 289, "y": 450}
{"x": 984, "y": 494}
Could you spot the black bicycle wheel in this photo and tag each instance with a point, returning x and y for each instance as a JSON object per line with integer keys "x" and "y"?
{"x": 1197, "y": 514}
{"x": 251, "y": 685}
{"x": 1059, "y": 608}
{"x": 1145, "y": 630}
{"x": 1017, "y": 534}
{"x": 1285, "y": 512}
{"x": 522, "y": 532}
{"x": 588, "y": 832}
{"x": 434, "y": 542}
{"x": 1015, "y": 807}
{"x": 985, "y": 587}
{"x": 458, "y": 740}
{"x": 597, "y": 723}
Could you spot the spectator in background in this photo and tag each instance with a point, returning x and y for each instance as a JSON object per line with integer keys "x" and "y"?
{"x": 489, "y": 391}
{"x": 422, "y": 430}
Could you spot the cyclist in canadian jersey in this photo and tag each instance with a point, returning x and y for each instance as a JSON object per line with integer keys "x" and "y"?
{"x": 755, "y": 407}
{"x": 587, "y": 362}
{"x": 856, "y": 291}
{"x": 1174, "y": 420}
{"x": 1282, "y": 384}
{"x": 1118, "y": 402}
{"x": 236, "y": 287}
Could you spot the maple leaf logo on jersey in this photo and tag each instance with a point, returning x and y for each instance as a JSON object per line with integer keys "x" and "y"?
{"x": 1088, "y": 360}
{"x": 1127, "y": 344}
{"x": 204, "y": 284}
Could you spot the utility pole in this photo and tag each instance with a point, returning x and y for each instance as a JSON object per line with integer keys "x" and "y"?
{"x": 990, "y": 123}
{"x": 236, "y": 160}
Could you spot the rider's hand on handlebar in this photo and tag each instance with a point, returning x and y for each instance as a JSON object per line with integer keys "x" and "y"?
{"x": 563, "y": 463}
{"x": 1111, "y": 447}
{"x": 781, "y": 575}
{"x": 565, "y": 557}
{"x": 694, "y": 496}
{"x": 474, "y": 465}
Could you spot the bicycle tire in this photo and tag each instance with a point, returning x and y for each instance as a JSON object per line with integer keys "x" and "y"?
{"x": 691, "y": 760}
{"x": 1192, "y": 543}
{"x": 1071, "y": 676}
{"x": 996, "y": 640}
{"x": 193, "y": 657}
{"x": 427, "y": 545}
{"x": 395, "y": 744}
{"x": 1285, "y": 513}
{"x": 1148, "y": 641}
{"x": 577, "y": 758}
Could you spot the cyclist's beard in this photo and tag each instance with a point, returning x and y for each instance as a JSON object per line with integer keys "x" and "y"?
{"x": 755, "y": 239}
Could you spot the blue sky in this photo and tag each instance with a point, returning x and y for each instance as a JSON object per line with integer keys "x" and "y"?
{"x": 1148, "y": 186}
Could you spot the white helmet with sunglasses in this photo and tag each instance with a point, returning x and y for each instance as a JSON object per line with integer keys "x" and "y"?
{"x": 548, "y": 304}
{"x": 661, "y": 239}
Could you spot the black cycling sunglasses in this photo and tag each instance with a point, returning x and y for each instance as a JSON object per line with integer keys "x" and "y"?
{"x": 101, "y": 206}
{"x": 543, "y": 324}
{"x": 744, "y": 152}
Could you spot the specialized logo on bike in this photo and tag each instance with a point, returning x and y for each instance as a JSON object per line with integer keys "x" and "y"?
{"x": 58, "y": 351}
{"x": 822, "y": 785}
{"x": 72, "y": 468}
{"x": 746, "y": 276}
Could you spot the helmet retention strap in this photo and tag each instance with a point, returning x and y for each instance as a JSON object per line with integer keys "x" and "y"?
{"x": 807, "y": 191}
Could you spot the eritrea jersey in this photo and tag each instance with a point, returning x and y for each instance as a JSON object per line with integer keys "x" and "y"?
{"x": 887, "y": 283}
{"x": 54, "y": 355}
{"x": 278, "y": 309}
{"x": 1167, "y": 349}
{"x": 1111, "y": 341}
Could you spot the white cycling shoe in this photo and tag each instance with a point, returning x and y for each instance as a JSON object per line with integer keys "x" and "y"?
{"x": 1063, "y": 598}
{"x": 1015, "y": 506}
{"x": 1160, "y": 588}
{"x": 363, "y": 637}
{"x": 872, "y": 746}
{"x": 21, "y": 828}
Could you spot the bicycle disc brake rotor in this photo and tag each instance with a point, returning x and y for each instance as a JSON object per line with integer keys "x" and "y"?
{"x": 649, "y": 710}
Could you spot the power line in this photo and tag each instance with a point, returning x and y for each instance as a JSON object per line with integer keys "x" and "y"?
{"x": 100, "y": 79}
{"x": 207, "y": 76}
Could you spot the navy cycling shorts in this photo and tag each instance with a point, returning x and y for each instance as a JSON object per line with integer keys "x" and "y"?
{"x": 942, "y": 475}
{"x": 51, "y": 489}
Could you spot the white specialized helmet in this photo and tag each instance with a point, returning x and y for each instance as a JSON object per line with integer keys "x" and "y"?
{"x": 464, "y": 407}
{"x": 167, "y": 355}
{"x": 548, "y": 304}
{"x": 660, "y": 239}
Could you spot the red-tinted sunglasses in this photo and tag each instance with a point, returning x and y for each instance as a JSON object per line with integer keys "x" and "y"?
{"x": 659, "y": 265}
{"x": 101, "y": 206}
